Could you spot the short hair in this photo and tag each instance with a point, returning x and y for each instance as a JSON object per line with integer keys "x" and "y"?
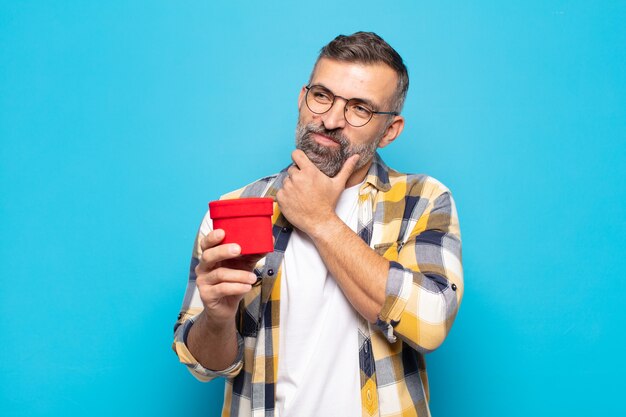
{"x": 369, "y": 48}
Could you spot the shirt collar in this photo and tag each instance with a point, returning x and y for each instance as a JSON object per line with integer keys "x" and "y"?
{"x": 378, "y": 174}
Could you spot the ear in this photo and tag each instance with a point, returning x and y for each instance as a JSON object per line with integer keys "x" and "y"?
{"x": 392, "y": 132}
{"x": 301, "y": 96}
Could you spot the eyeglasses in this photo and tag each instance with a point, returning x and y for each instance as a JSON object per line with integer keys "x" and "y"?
{"x": 356, "y": 111}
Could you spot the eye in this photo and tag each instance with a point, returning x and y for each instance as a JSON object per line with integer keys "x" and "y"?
{"x": 321, "y": 95}
{"x": 360, "y": 110}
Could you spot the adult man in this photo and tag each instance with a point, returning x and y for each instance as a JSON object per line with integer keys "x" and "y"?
{"x": 366, "y": 271}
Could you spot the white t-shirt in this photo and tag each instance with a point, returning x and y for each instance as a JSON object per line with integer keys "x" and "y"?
{"x": 318, "y": 359}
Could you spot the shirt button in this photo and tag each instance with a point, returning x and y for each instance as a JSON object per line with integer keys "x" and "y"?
{"x": 365, "y": 347}
{"x": 285, "y": 229}
{"x": 453, "y": 287}
{"x": 369, "y": 395}
{"x": 270, "y": 272}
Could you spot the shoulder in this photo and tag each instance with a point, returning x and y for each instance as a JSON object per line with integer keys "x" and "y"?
{"x": 263, "y": 187}
{"x": 416, "y": 185}
{"x": 424, "y": 199}
{"x": 395, "y": 185}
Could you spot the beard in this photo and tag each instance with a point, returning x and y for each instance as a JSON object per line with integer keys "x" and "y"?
{"x": 331, "y": 160}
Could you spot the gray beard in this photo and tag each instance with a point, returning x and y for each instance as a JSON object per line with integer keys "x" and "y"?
{"x": 331, "y": 160}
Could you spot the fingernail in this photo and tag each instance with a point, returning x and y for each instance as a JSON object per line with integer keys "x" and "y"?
{"x": 219, "y": 233}
{"x": 235, "y": 249}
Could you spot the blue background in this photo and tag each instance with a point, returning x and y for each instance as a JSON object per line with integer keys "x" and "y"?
{"x": 120, "y": 120}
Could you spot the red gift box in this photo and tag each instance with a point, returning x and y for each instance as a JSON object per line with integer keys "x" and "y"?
{"x": 245, "y": 221}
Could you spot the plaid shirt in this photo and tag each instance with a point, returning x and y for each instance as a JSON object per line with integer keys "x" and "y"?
{"x": 410, "y": 220}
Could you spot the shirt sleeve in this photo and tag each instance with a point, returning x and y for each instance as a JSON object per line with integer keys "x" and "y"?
{"x": 425, "y": 280}
{"x": 192, "y": 307}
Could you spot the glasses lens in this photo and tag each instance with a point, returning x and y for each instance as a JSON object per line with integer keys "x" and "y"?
{"x": 358, "y": 113}
{"x": 319, "y": 100}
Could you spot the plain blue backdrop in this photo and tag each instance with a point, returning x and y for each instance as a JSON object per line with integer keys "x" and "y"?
{"x": 120, "y": 120}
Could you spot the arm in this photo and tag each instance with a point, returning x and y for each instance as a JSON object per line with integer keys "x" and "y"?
{"x": 425, "y": 283}
{"x": 414, "y": 292}
{"x": 206, "y": 338}
{"x": 360, "y": 272}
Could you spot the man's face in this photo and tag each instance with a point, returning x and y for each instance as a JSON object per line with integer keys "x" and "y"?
{"x": 327, "y": 139}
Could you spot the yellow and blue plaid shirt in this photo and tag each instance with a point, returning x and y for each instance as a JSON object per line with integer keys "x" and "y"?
{"x": 411, "y": 220}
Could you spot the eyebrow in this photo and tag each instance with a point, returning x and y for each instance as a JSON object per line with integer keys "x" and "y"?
{"x": 364, "y": 100}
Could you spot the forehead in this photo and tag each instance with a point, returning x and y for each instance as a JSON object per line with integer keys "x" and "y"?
{"x": 374, "y": 82}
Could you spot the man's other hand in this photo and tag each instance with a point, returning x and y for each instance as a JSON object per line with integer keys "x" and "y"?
{"x": 308, "y": 196}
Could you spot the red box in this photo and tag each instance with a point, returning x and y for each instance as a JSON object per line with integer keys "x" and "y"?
{"x": 245, "y": 221}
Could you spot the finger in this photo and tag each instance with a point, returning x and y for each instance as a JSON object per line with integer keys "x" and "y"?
{"x": 347, "y": 169}
{"x": 287, "y": 184}
{"x": 224, "y": 289}
{"x": 301, "y": 160}
{"x": 213, "y": 238}
{"x": 222, "y": 274}
{"x": 215, "y": 254}
{"x": 292, "y": 170}
{"x": 253, "y": 259}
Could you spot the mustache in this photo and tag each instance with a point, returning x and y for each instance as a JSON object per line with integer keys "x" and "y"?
{"x": 335, "y": 134}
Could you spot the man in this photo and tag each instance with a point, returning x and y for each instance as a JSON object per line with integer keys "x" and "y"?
{"x": 365, "y": 276}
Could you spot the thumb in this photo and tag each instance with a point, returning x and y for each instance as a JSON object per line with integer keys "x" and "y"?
{"x": 348, "y": 168}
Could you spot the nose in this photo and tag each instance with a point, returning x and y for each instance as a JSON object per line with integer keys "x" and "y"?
{"x": 334, "y": 118}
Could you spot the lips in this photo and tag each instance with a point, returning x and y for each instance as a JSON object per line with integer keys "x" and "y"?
{"x": 325, "y": 140}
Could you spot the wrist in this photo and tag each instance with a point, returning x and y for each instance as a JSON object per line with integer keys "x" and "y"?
{"x": 215, "y": 347}
{"x": 326, "y": 228}
{"x": 213, "y": 328}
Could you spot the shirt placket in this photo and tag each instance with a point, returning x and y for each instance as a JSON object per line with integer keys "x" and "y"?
{"x": 369, "y": 395}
